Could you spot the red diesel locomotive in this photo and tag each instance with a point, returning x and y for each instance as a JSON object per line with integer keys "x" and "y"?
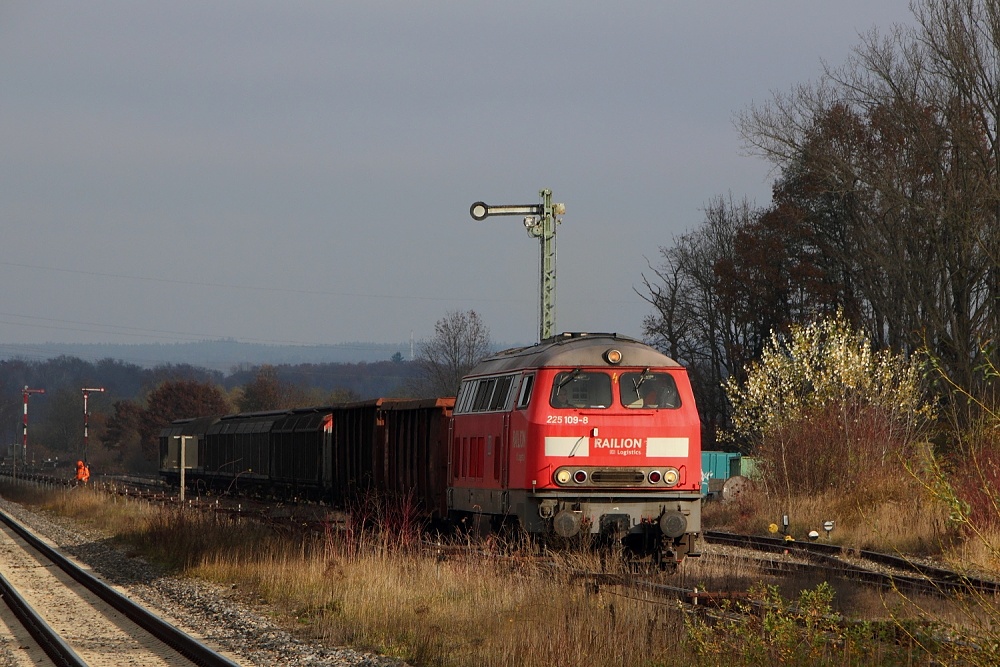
{"x": 579, "y": 435}
{"x": 582, "y": 433}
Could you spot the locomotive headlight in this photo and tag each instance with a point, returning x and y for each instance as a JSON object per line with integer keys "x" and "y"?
{"x": 671, "y": 476}
{"x": 654, "y": 476}
{"x": 613, "y": 356}
{"x": 563, "y": 476}
{"x": 580, "y": 476}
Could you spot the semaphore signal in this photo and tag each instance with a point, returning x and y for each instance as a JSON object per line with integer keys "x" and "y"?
{"x": 540, "y": 222}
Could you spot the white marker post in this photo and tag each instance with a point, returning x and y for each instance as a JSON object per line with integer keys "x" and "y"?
{"x": 183, "y": 463}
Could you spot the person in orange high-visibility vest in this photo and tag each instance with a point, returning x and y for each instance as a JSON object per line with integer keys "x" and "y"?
{"x": 82, "y": 472}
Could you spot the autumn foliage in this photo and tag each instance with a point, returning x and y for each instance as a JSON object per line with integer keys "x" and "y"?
{"x": 133, "y": 425}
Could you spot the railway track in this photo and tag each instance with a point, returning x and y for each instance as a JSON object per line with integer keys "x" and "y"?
{"x": 888, "y": 571}
{"x": 871, "y": 567}
{"x": 76, "y": 619}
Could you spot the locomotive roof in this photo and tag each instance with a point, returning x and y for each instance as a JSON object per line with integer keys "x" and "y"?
{"x": 575, "y": 349}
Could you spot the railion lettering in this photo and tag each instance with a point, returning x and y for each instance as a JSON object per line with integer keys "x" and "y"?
{"x": 619, "y": 443}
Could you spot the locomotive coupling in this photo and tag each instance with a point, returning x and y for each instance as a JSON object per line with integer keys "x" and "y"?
{"x": 547, "y": 508}
{"x": 615, "y": 525}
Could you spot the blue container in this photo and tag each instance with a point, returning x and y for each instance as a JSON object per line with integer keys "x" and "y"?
{"x": 716, "y": 468}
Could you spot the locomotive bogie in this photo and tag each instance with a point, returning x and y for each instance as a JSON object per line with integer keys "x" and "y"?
{"x": 621, "y": 513}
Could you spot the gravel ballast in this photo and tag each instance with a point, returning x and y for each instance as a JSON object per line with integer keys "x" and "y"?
{"x": 209, "y": 612}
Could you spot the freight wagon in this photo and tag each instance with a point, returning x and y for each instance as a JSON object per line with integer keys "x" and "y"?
{"x": 589, "y": 435}
{"x": 329, "y": 453}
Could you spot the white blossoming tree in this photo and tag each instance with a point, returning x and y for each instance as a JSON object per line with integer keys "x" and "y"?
{"x": 825, "y": 410}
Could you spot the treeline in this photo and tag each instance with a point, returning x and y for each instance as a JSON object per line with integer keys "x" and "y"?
{"x": 886, "y": 209}
{"x": 136, "y": 401}
{"x": 212, "y": 354}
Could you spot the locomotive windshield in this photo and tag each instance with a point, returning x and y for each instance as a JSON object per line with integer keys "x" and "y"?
{"x": 649, "y": 390}
{"x": 576, "y": 389}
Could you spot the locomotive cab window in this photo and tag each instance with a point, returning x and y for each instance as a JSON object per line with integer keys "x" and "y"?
{"x": 576, "y": 389}
{"x": 484, "y": 395}
{"x": 525, "y": 397}
{"x": 502, "y": 393}
{"x": 649, "y": 390}
{"x": 465, "y": 395}
{"x": 484, "y": 392}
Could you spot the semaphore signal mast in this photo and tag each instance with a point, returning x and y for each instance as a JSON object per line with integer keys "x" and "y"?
{"x": 540, "y": 221}
{"x": 86, "y": 418}
{"x": 24, "y": 442}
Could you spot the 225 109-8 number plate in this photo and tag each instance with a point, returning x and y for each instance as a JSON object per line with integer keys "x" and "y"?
{"x": 566, "y": 419}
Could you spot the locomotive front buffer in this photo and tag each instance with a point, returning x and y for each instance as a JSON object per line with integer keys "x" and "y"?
{"x": 666, "y": 528}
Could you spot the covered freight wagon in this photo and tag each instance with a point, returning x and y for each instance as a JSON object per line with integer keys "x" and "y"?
{"x": 393, "y": 447}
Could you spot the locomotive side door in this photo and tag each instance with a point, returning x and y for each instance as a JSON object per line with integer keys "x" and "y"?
{"x": 504, "y": 451}
{"x": 517, "y": 428}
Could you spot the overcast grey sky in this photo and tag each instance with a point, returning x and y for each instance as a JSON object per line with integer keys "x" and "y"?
{"x": 301, "y": 172}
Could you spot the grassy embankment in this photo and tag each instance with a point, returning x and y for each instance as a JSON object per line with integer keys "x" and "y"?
{"x": 504, "y": 607}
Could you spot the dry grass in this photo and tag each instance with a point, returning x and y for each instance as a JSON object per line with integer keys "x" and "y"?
{"x": 908, "y": 522}
{"x": 980, "y": 552}
{"x": 500, "y": 606}
{"x": 87, "y": 505}
{"x": 496, "y": 607}
{"x": 486, "y": 609}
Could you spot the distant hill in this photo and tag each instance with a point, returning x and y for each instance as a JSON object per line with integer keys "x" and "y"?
{"x": 221, "y": 355}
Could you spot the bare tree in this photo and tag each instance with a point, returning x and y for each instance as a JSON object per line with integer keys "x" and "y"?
{"x": 268, "y": 392}
{"x": 461, "y": 340}
{"x": 895, "y": 159}
{"x": 692, "y": 323}
{"x": 178, "y": 400}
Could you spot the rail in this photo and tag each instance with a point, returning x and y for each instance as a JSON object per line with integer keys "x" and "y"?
{"x": 181, "y": 642}
{"x": 930, "y": 578}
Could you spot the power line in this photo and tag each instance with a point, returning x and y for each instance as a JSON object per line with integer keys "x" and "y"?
{"x": 291, "y": 290}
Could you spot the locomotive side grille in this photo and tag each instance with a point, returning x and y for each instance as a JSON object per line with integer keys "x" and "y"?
{"x": 618, "y": 477}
